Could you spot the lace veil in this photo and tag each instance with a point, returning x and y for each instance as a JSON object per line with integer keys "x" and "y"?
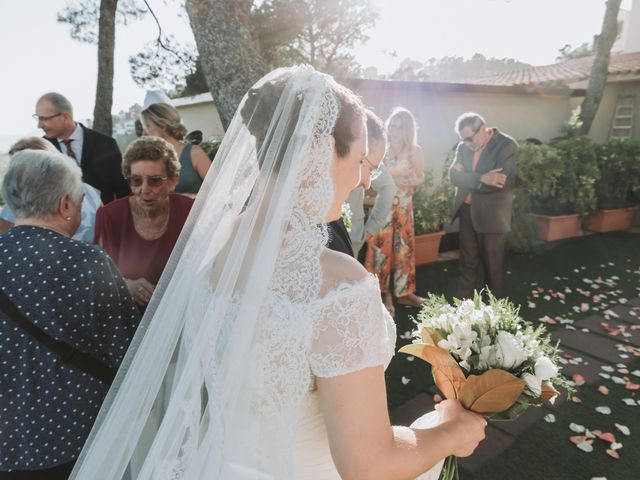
{"x": 219, "y": 354}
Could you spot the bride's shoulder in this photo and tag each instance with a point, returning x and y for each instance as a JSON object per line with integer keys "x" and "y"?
{"x": 341, "y": 270}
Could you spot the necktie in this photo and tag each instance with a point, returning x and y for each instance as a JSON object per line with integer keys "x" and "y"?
{"x": 70, "y": 152}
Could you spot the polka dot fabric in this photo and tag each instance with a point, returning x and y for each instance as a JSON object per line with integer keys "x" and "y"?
{"x": 73, "y": 292}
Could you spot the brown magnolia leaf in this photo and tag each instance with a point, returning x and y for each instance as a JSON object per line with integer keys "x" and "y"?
{"x": 446, "y": 371}
{"x": 430, "y": 336}
{"x": 494, "y": 391}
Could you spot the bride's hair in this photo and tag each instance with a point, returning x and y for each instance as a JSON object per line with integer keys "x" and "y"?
{"x": 262, "y": 100}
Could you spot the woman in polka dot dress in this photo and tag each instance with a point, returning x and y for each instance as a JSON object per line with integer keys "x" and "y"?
{"x": 68, "y": 289}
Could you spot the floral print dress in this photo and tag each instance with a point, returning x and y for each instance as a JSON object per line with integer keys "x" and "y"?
{"x": 392, "y": 250}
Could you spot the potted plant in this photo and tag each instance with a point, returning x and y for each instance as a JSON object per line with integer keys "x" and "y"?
{"x": 558, "y": 181}
{"x": 432, "y": 206}
{"x": 616, "y": 189}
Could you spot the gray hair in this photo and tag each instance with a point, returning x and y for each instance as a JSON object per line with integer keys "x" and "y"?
{"x": 36, "y": 180}
{"x": 469, "y": 119}
{"x": 59, "y": 102}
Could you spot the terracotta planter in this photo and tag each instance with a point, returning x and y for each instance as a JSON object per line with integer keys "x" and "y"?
{"x": 558, "y": 227}
{"x": 426, "y": 247}
{"x": 611, "y": 220}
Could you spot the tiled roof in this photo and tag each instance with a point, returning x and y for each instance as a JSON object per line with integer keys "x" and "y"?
{"x": 561, "y": 73}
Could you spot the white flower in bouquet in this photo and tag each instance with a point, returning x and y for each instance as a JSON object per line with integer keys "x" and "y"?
{"x": 510, "y": 353}
{"x": 459, "y": 342}
{"x": 544, "y": 370}
{"x": 487, "y": 354}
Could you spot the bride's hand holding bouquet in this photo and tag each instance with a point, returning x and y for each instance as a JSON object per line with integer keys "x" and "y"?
{"x": 486, "y": 357}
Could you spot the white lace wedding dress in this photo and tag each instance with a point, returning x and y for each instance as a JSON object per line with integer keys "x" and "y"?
{"x": 361, "y": 334}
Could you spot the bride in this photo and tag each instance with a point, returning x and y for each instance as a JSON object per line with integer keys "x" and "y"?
{"x": 264, "y": 350}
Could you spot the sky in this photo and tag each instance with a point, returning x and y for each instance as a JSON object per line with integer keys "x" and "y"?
{"x": 38, "y": 55}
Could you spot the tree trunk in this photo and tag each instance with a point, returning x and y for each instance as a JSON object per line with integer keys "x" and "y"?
{"x": 600, "y": 68}
{"x": 229, "y": 54}
{"x": 102, "y": 121}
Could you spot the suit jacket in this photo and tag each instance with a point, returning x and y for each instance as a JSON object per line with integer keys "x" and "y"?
{"x": 101, "y": 164}
{"x": 491, "y": 207}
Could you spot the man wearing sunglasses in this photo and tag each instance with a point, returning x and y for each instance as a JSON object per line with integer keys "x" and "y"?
{"x": 484, "y": 173}
{"x": 97, "y": 155}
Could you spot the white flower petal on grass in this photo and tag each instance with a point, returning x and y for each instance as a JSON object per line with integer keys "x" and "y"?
{"x": 405, "y": 380}
{"x": 585, "y": 446}
{"x": 550, "y": 418}
{"x": 618, "y": 380}
{"x": 636, "y": 373}
{"x": 574, "y": 427}
{"x": 623, "y": 429}
{"x": 603, "y": 410}
{"x": 630, "y": 402}
{"x": 607, "y": 368}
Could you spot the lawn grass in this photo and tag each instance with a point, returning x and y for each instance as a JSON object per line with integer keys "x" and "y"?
{"x": 607, "y": 265}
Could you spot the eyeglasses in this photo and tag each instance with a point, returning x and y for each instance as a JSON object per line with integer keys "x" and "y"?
{"x": 470, "y": 138}
{"x": 374, "y": 172}
{"x": 153, "y": 181}
{"x": 45, "y": 118}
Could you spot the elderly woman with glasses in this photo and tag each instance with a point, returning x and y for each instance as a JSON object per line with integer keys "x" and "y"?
{"x": 140, "y": 231}
{"x": 57, "y": 295}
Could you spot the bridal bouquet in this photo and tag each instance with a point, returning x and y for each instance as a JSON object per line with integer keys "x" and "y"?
{"x": 487, "y": 357}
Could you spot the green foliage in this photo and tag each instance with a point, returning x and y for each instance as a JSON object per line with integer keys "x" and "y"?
{"x": 321, "y": 33}
{"x": 559, "y": 178}
{"x": 568, "y": 53}
{"x": 165, "y": 65}
{"x": 82, "y": 17}
{"x": 210, "y": 147}
{"x": 619, "y": 166}
{"x": 432, "y": 206}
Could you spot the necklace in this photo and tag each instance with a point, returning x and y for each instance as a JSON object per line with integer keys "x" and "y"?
{"x": 149, "y": 231}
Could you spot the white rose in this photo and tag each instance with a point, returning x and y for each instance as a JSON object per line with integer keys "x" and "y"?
{"x": 533, "y": 384}
{"x": 545, "y": 369}
{"x": 509, "y": 351}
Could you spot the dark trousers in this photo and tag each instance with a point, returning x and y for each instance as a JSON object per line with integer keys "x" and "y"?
{"x": 476, "y": 249}
{"x": 61, "y": 472}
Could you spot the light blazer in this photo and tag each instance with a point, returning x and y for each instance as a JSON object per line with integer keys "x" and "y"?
{"x": 491, "y": 207}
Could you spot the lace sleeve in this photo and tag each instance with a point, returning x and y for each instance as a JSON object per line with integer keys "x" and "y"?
{"x": 352, "y": 330}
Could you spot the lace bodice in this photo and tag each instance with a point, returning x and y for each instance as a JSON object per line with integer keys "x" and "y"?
{"x": 346, "y": 330}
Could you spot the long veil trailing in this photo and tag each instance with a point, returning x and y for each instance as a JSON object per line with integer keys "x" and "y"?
{"x": 220, "y": 353}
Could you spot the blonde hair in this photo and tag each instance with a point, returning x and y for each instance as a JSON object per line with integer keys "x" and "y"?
{"x": 407, "y": 125}
{"x": 166, "y": 117}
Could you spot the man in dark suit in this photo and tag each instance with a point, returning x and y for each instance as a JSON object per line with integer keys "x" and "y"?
{"x": 98, "y": 155}
{"x": 484, "y": 171}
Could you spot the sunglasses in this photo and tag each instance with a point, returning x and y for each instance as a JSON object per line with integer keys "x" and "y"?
{"x": 153, "y": 181}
